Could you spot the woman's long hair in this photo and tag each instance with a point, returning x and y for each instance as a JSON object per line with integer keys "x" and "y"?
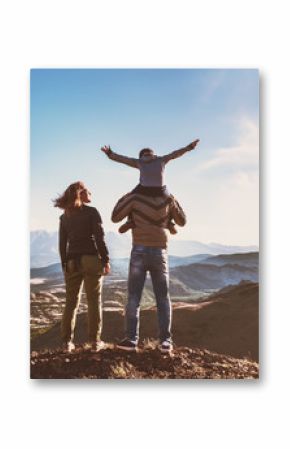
{"x": 71, "y": 198}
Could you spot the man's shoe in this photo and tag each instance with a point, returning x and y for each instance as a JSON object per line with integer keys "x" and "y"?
{"x": 127, "y": 345}
{"x": 98, "y": 346}
{"x": 165, "y": 347}
{"x": 68, "y": 346}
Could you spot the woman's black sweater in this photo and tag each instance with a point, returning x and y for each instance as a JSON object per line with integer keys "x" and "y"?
{"x": 81, "y": 233}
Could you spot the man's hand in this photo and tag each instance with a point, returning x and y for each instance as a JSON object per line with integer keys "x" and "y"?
{"x": 106, "y": 149}
{"x": 193, "y": 144}
{"x": 106, "y": 269}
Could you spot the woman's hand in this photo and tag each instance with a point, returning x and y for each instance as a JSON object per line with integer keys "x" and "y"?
{"x": 106, "y": 149}
{"x": 106, "y": 269}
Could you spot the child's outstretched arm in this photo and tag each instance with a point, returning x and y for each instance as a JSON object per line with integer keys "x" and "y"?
{"x": 119, "y": 158}
{"x": 177, "y": 153}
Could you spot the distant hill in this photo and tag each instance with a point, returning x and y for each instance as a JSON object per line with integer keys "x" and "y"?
{"x": 226, "y": 323}
{"x": 190, "y": 247}
{"x": 119, "y": 266}
{"x": 250, "y": 259}
{"x": 51, "y": 271}
{"x": 44, "y": 247}
{"x": 176, "y": 261}
{"x": 187, "y": 282}
{"x": 203, "y": 276}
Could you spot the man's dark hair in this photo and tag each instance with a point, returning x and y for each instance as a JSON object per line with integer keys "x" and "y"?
{"x": 145, "y": 150}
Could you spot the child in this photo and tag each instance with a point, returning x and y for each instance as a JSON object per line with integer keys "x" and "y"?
{"x": 151, "y": 169}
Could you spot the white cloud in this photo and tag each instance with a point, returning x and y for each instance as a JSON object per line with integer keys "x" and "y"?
{"x": 243, "y": 155}
{"x": 223, "y": 204}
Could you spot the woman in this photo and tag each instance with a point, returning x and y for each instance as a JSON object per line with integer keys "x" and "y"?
{"x": 84, "y": 258}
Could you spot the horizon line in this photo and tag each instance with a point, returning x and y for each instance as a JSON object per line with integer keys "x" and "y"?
{"x": 180, "y": 240}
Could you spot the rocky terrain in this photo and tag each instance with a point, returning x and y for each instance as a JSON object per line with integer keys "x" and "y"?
{"x": 216, "y": 338}
{"x": 148, "y": 363}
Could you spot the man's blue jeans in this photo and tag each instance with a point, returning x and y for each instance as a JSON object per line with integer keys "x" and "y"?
{"x": 154, "y": 260}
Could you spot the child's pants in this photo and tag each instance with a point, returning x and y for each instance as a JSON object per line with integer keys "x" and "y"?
{"x": 151, "y": 191}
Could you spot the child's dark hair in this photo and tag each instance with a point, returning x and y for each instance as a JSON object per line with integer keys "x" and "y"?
{"x": 145, "y": 150}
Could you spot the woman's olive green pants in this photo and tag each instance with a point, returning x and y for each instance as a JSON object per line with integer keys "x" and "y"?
{"x": 87, "y": 271}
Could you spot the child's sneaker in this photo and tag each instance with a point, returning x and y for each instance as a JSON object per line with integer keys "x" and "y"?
{"x": 126, "y": 226}
{"x": 172, "y": 227}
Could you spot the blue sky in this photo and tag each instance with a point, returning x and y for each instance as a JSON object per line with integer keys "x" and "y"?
{"x": 76, "y": 111}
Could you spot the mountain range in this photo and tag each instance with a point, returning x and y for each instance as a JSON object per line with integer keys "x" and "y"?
{"x": 200, "y": 272}
{"x": 44, "y": 248}
{"x": 189, "y": 282}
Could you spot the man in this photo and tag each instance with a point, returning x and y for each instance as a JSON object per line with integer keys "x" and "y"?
{"x": 149, "y": 253}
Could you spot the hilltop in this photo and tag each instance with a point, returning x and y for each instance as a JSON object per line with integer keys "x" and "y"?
{"x": 184, "y": 363}
{"x": 225, "y": 323}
